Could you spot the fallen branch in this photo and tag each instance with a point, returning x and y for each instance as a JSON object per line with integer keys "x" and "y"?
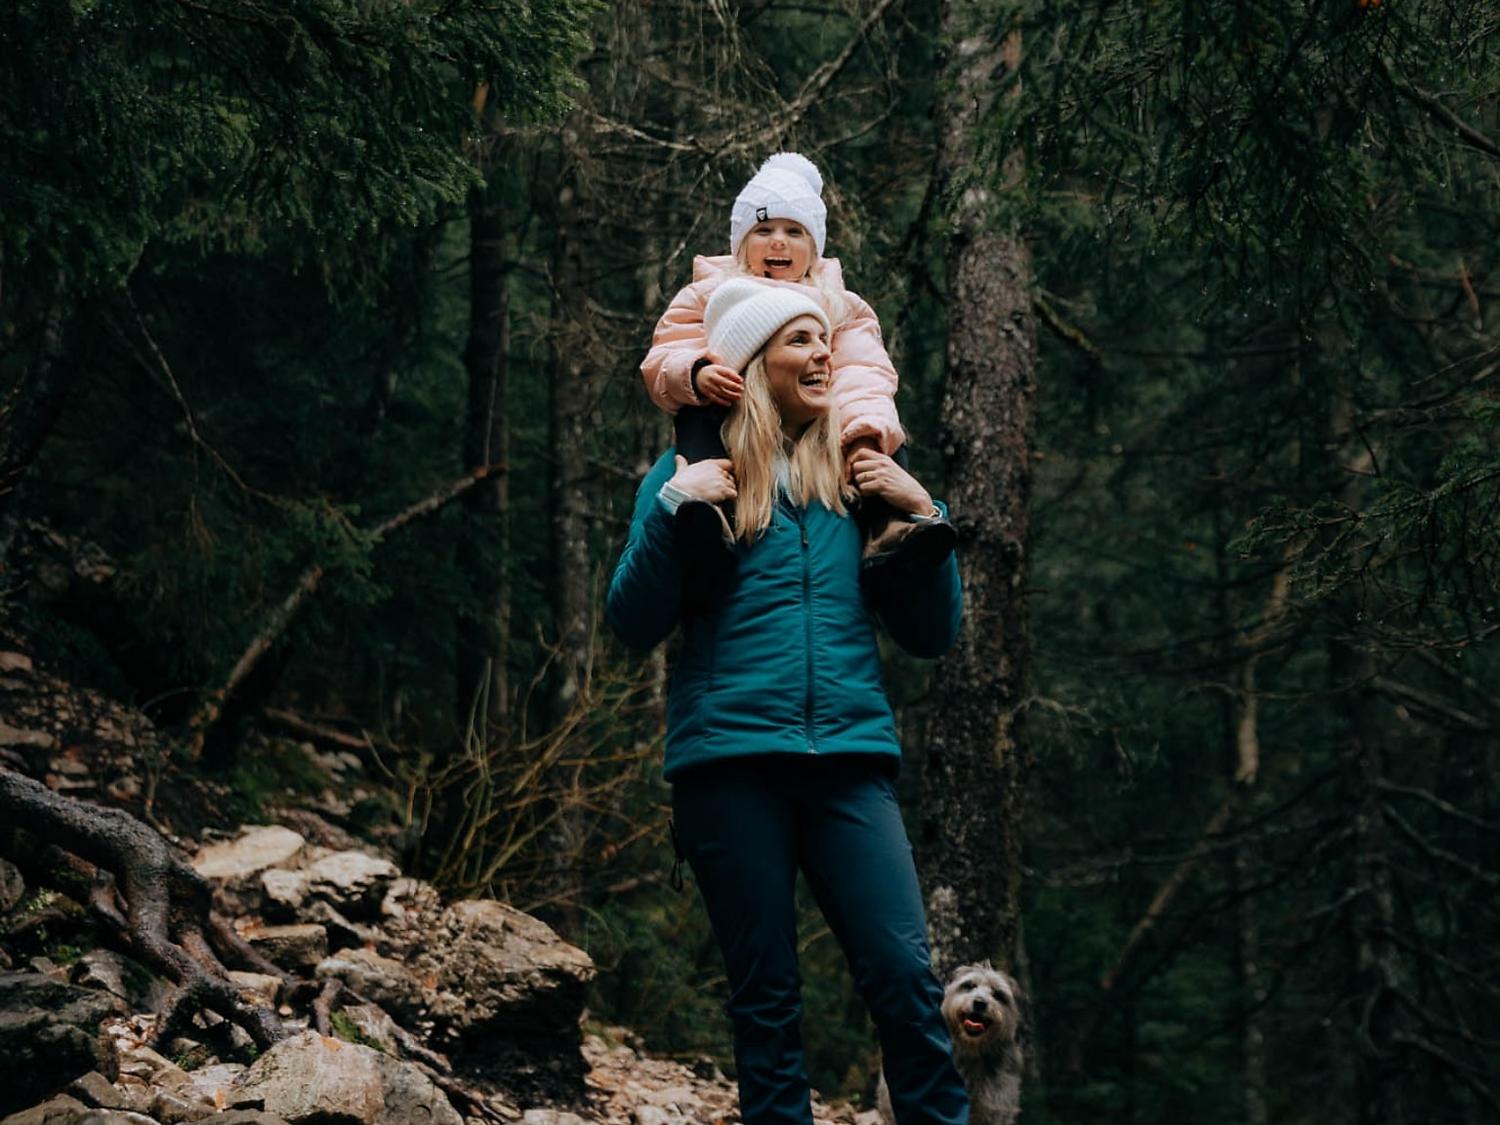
{"x": 212, "y": 708}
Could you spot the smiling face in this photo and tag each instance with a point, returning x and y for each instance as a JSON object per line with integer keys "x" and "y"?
{"x": 778, "y": 248}
{"x": 799, "y": 369}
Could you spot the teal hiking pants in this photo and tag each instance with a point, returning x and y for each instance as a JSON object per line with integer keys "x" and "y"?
{"x": 746, "y": 827}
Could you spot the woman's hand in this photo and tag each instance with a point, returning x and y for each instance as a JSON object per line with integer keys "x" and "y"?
{"x": 719, "y": 384}
{"x": 705, "y": 480}
{"x": 875, "y": 474}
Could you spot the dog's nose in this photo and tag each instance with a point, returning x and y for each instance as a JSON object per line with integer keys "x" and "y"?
{"x": 980, "y": 1004}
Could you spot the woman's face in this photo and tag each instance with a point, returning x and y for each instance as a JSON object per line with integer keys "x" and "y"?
{"x": 778, "y": 248}
{"x": 799, "y": 369}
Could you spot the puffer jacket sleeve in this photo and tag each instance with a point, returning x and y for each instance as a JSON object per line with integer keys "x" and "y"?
{"x": 925, "y": 615}
{"x": 680, "y": 340}
{"x": 864, "y": 379}
{"x": 645, "y": 592}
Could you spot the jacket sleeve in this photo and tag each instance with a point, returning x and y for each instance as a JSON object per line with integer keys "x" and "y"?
{"x": 680, "y": 340}
{"x": 924, "y": 617}
{"x": 645, "y": 592}
{"x": 865, "y": 380}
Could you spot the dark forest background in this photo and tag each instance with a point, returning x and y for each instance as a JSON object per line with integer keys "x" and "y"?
{"x": 321, "y": 413}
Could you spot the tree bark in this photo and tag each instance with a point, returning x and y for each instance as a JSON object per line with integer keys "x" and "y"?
{"x": 973, "y": 784}
{"x": 484, "y": 637}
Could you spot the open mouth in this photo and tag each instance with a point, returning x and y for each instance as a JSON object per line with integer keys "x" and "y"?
{"x": 817, "y": 379}
{"x": 778, "y": 263}
{"x": 975, "y": 1026}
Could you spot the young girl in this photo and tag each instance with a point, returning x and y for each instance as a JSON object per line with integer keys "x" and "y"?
{"x": 777, "y": 229}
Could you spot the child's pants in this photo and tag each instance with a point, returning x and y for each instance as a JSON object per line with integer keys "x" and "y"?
{"x": 746, "y": 827}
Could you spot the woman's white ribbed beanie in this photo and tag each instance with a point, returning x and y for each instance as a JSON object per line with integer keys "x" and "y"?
{"x": 743, "y": 313}
{"x": 788, "y": 186}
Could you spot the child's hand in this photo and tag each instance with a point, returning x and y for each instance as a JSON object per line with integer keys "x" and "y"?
{"x": 719, "y": 384}
{"x": 875, "y": 474}
{"x": 706, "y": 480}
{"x": 869, "y": 441}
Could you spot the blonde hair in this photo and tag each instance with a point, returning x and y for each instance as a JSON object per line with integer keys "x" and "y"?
{"x": 817, "y": 277}
{"x": 752, "y": 434}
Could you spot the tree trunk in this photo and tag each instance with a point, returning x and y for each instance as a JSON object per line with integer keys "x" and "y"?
{"x": 973, "y": 785}
{"x": 484, "y": 637}
{"x": 27, "y": 420}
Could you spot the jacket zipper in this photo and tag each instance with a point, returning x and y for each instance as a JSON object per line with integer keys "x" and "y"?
{"x": 807, "y": 640}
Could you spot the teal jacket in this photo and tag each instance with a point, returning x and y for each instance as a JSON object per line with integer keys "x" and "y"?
{"x": 785, "y": 661}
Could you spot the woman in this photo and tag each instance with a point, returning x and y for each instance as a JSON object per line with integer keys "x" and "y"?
{"x": 781, "y": 747}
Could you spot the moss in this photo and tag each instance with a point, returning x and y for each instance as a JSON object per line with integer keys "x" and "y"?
{"x": 346, "y": 1029}
{"x": 259, "y": 779}
{"x": 65, "y": 954}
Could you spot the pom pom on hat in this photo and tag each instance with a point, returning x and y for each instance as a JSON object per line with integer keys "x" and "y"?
{"x": 796, "y": 162}
{"x": 788, "y": 186}
{"x": 742, "y": 314}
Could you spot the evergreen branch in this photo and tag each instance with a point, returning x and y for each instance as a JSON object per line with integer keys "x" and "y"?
{"x": 211, "y": 710}
{"x": 1440, "y": 113}
{"x": 1065, "y": 331}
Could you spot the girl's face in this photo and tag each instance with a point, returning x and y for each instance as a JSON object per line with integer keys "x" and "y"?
{"x": 799, "y": 369}
{"x": 778, "y": 248}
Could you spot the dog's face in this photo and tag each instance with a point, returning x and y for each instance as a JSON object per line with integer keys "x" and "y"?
{"x": 982, "y": 1006}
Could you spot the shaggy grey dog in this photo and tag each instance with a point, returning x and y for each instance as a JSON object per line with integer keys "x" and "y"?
{"x": 982, "y": 1007}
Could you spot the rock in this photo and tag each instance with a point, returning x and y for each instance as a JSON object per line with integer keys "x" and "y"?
{"x": 12, "y": 886}
{"x": 234, "y": 866}
{"x": 49, "y": 1035}
{"x": 379, "y": 979}
{"x": 353, "y": 882}
{"x": 374, "y": 1027}
{"x": 139, "y": 1061}
{"x": 211, "y": 1085}
{"x": 551, "y": 1117}
{"x": 15, "y": 662}
{"x": 15, "y": 736}
{"x": 286, "y": 891}
{"x": 310, "y": 1079}
{"x": 95, "y": 1089}
{"x": 248, "y": 1117}
{"x": 290, "y": 947}
{"x": 171, "y": 1109}
{"x": 257, "y": 988}
{"x": 497, "y": 969}
{"x": 63, "y": 1110}
{"x": 116, "y": 974}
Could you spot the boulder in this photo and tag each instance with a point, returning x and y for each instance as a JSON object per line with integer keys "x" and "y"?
{"x": 234, "y": 866}
{"x": 311, "y": 1079}
{"x": 497, "y": 970}
{"x": 63, "y": 1110}
{"x": 49, "y": 1035}
{"x": 352, "y": 882}
{"x": 378, "y": 979}
{"x": 294, "y": 947}
{"x": 256, "y": 988}
{"x": 114, "y": 973}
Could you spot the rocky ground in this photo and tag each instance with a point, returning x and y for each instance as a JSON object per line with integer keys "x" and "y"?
{"x": 403, "y": 1008}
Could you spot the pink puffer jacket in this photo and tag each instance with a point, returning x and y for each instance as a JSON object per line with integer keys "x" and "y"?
{"x": 864, "y": 380}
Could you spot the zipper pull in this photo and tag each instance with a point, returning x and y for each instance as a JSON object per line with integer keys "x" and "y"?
{"x": 804, "y": 535}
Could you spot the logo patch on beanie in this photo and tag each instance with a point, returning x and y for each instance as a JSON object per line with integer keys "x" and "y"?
{"x": 761, "y": 214}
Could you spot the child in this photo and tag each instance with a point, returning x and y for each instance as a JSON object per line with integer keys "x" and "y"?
{"x": 776, "y": 234}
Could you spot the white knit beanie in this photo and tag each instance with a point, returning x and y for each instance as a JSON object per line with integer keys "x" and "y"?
{"x": 742, "y": 314}
{"x": 788, "y": 186}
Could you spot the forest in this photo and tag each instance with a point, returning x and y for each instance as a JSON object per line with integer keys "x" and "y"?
{"x": 321, "y": 420}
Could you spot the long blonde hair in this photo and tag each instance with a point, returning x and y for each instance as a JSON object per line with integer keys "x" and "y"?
{"x": 832, "y": 297}
{"x": 752, "y": 434}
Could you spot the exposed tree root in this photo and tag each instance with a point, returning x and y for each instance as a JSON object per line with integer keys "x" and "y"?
{"x": 145, "y": 893}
